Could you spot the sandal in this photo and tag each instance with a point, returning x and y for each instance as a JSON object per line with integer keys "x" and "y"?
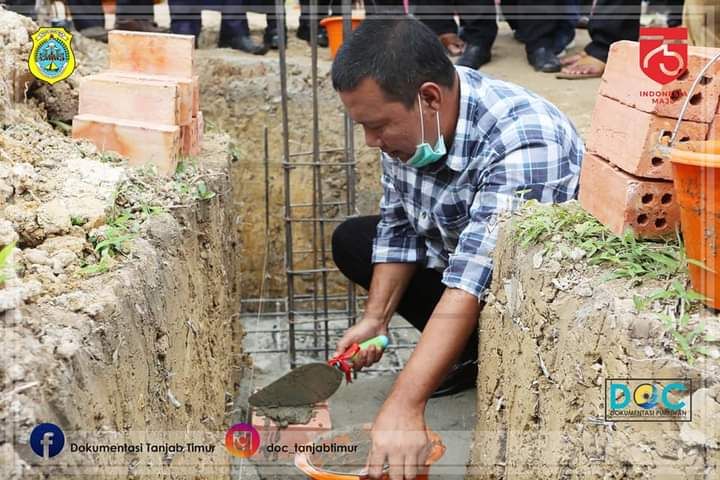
{"x": 454, "y": 46}
{"x": 585, "y": 67}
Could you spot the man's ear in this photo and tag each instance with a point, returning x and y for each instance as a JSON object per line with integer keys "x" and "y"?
{"x": 431, "y": 95}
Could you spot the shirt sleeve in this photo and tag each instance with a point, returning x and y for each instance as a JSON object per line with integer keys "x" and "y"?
{"x": 511, "y": 179}
{"x": 396, "y": 241}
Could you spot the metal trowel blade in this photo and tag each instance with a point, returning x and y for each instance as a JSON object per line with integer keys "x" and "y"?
{"x": 304, "y": 385}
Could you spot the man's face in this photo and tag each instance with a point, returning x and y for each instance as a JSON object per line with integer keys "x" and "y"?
{"x": 388, "y": 125}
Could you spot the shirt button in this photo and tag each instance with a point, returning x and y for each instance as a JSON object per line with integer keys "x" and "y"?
{"x": 424, "y": 214}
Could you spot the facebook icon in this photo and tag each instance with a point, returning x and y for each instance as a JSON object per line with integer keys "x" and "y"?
{"x": 47, "y": 440}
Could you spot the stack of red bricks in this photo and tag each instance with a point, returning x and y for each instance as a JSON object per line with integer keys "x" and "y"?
{"x": 624, "y": 182}
{"x": 146, "y": 106}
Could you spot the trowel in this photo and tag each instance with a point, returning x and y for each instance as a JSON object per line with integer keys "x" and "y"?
{"x": 314, "y": 382}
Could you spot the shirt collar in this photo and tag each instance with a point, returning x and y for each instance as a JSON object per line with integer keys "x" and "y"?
{"x": 457, "y": 156}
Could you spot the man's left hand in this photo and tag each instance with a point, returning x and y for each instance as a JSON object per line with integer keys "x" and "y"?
{"x": 399, "y": 439}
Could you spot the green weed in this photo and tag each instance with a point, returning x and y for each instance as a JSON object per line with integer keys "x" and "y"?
{"x": 628, "y": 258}
{"x": 4, "y": 256}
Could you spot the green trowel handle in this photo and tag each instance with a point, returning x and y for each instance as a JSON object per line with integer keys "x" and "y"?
{"x": 380, "y": 342}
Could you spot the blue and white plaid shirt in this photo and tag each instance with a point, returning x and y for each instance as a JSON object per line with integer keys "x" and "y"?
{"x": 509, "y": 145}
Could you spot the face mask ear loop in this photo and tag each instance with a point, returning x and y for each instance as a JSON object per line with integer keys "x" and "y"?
{"x": 437, "y": 117}
{"x": 422, "y": 123}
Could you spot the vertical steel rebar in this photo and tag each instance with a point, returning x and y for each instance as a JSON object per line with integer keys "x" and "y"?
{"x": 266, "y": 161}
{"x": 350, "y": 163}
{"x": 280, "y": 13}
{"x": 317, "y": 173}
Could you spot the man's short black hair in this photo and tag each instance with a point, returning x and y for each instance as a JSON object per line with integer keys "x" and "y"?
{"x": 400, "y": 54}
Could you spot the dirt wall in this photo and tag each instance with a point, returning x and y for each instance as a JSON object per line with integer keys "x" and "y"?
{"x": 553, "y": 330}
{"x": 241, "y": 96}
{"x": 142, "y": 345}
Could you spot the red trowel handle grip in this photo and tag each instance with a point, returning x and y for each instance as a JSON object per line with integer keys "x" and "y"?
{"x": 345, "y": 360}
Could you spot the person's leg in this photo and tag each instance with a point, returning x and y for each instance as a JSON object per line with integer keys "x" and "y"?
{"x": 185, "y": 17}
{"x": 352, "y": 252}
{"x": 303, "y": 31}
{"x": 136, "y": 15}
{"x": 478, "y": 30}
{"x": 87, "y": 14}
{"x": 234, "y": 28}
{"x": 611, "y": 21}
{"x": 536, "y": 26}
{"x": 135, "y": 10}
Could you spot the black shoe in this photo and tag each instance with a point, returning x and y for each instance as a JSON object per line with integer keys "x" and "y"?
{"x": 244, "y": 43}
{"x": 474, "y": 56}
{"x": 139, "y": 25}
{"x": 272, "y": 40}
{"x": 303, "y": 33}
{"x": 544, "y": 60}
{"x": 462, "y": 376}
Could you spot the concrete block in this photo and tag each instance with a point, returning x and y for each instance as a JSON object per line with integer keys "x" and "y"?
{"x": 141, "y": 142}
{"x": 136, "y": 99}
{"x": 625, "y": 82}
{"x": 185, "y": 90}
{"x": 292, "y": 434}
{"x": 714, "y": 130}
{"x": 621, "y": 201}
{"x": 153, "y": 53}
{"x": 627, "y": 137}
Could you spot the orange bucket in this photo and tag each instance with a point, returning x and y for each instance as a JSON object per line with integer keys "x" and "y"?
{"x": 696, "y": 174}
{"x": 310, "y": 466}
{"x": 334, "y": 28}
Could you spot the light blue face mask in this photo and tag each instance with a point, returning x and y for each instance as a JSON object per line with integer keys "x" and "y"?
{"x": 424, "y": 153}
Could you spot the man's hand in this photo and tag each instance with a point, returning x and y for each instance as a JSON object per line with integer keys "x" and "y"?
{"x": 365, "y": 329}
{"x": 399, "y": 439}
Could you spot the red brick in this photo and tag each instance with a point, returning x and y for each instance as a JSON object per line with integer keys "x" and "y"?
{"x": 714, "y": 130}
{"x": 153, "y": 53}
{"x": 620, "y": 201}
{"x": 128, "y": 98}
{"x": 624, "y": 81}
{"x": 142, "y": 143}
{"x": 196, "y": 94}
{"x": 292, "y": 434}
{"x": 627, "y": 137}
{"x": 185, "y": 90}
{"x": 200, "y": 127}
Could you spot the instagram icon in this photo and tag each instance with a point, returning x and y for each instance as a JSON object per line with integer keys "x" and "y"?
{"x": 242, "y": 440}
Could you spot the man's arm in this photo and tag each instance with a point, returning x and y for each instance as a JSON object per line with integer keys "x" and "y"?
{"x": 399, "y": 432}
{"x": 387, "y": 287}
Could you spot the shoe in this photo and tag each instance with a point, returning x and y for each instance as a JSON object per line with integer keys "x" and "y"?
{"x": 139, "y": 25}
{"x": 462, "y": 376}
{"x": 96, "y": 33}
{"x": 244, "y": 43}
{"x": 303, "y": 33}
{"x": 474, "y": 56}
{"x": 544, "y": 60}
{"x": 272, "y": 40}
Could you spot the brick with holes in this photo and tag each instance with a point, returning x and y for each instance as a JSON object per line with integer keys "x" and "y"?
{"x": 625, "y": 82}
{"x": 621, "y": 201}
{"x": 271, "y": 433}
{"x": 627, "y": 137}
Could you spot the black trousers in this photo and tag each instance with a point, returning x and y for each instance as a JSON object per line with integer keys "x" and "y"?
{"x": 477, "y": 19}
{"x": 535, "y": 25}
{"x": 611, "y": 21}
{"x": 185, "y": 17}
{"x": 86, "y": 13}
{"x": 352, "y": 252}
{"x": 134, "y": 9}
